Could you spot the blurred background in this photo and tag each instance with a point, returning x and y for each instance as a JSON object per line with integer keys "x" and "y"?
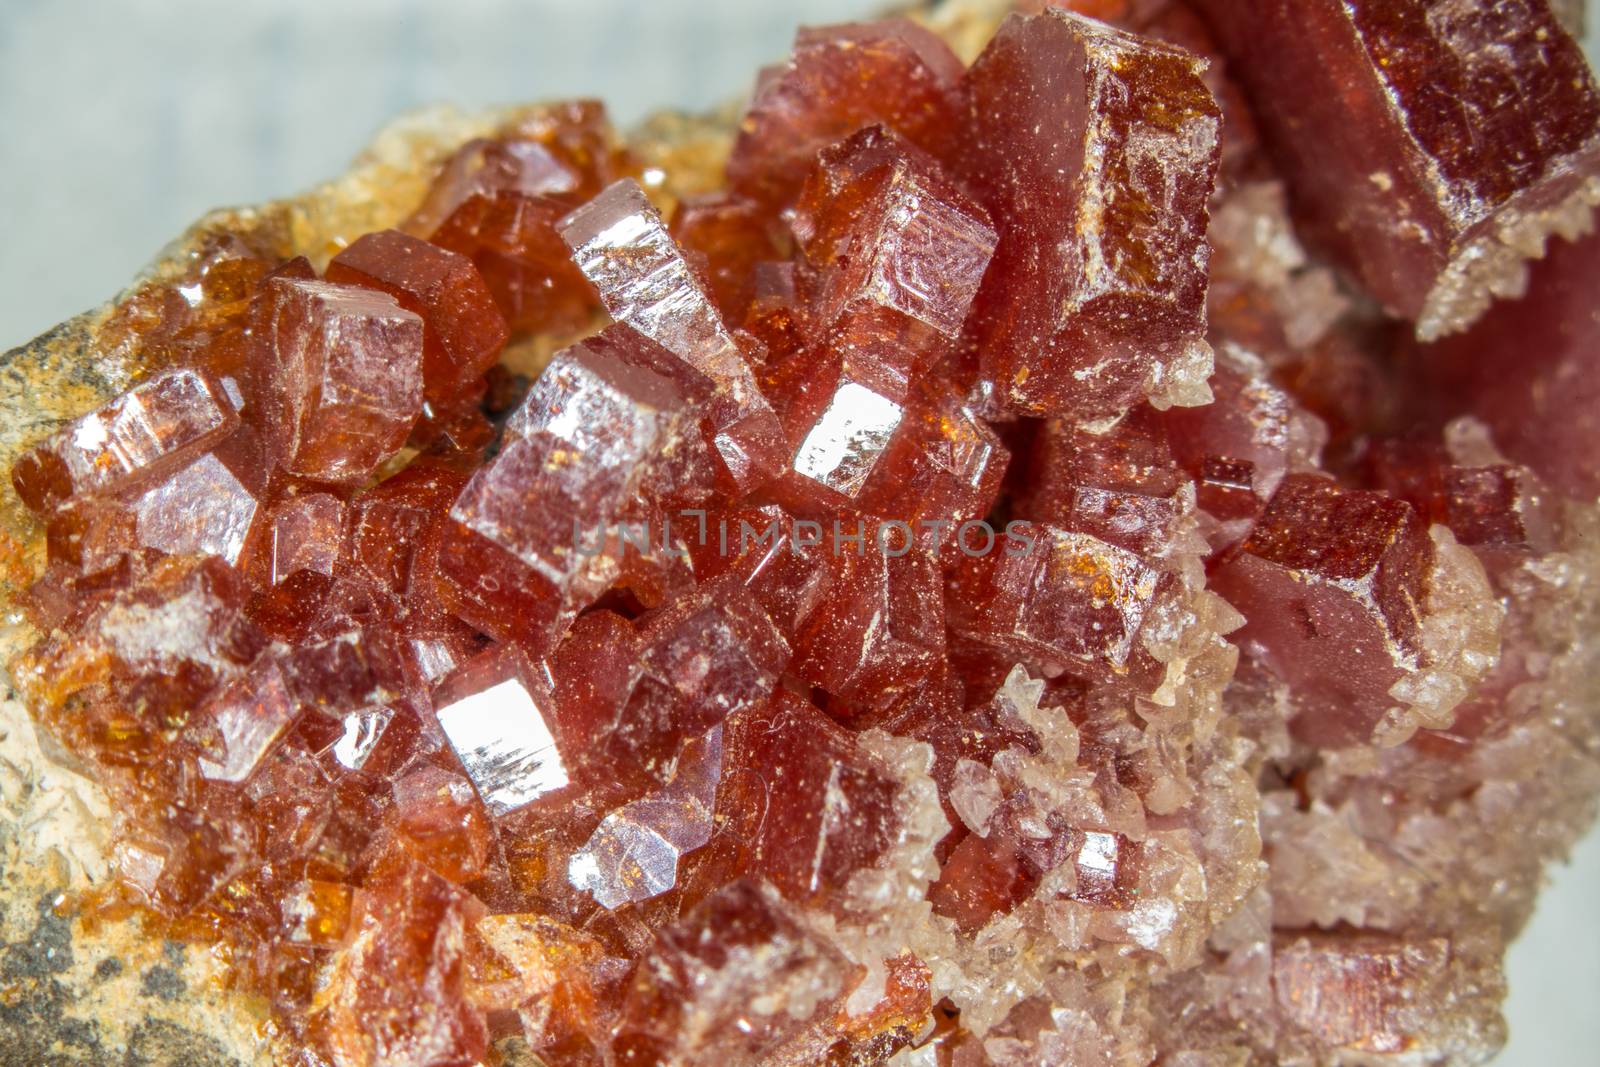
{"x": 121, "y": 123}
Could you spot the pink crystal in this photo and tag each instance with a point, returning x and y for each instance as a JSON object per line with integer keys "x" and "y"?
{"x": 1332, "y": 582}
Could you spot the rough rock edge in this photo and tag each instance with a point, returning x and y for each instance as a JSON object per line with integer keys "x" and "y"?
{"x": 53, "y": 821}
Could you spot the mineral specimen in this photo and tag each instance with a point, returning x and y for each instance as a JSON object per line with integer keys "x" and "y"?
{"x": 341, "y": 377}
{"x": 1431, "y": 146}
{"x": 1095, "y": 151}
{"x": 954, "y": 613}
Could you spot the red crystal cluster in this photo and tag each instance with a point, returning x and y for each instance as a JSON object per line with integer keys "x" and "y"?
{"x": 825, "y": 657}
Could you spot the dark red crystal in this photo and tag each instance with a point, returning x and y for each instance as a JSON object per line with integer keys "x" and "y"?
{"x": 1409, "y": 131}
{"x": 1098, "y": 284}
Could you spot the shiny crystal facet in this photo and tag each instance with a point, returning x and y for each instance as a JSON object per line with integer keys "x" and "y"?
{"x": 942, "y": 469}
{"x": 840, "y": 449}
{"x": 622, "y": 245}
{"x": 243, "y": 721}
{"x": 211, "y": 507}
{"x": 635, "y": 852}
{"x": 149, "y": 429}
{"x": 575, "y": 451}
{"x": 497, "y": 718}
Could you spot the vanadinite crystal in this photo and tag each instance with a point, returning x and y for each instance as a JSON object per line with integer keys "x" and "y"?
{"x": 1428, "y": 144}
{"x": 992, "y": 593}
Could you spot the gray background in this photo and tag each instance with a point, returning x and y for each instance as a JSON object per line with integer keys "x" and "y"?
{"x": 120, "y": 123}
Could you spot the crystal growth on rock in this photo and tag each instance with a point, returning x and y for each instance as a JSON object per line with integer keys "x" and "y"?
{"x": 1431, "y": 147}
{"x": 998, "y": 591}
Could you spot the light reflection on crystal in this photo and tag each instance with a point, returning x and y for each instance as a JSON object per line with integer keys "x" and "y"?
{"x": 154, "y": 425}
{"x": 503, "y": 739}
{"x": 243, "y": 723}
{"x": 362, "y": 730}
{"x": 635, "y": 852}
{"x": 1099, "y": 853}
{"x": 621, "y": 243}
{"x": 841, "y": 450}
{"x": 202, "y": 510}
{"x": 576, "y": 449}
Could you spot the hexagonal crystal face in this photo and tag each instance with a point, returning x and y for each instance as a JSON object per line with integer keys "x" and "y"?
{"x": 635, "y": 852}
